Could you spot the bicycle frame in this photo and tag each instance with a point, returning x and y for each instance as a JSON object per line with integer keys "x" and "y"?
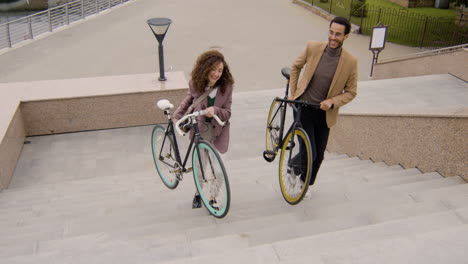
{"x": 194, "y": 141}
{"x": 295, "y": 104}
{"x": 296, "y": 122}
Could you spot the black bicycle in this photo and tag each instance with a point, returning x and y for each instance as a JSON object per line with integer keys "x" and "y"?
{"x": 208, "y": 169}
{"x": 295, "y": 166}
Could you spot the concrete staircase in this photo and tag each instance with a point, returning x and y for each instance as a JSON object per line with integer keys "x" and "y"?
{"x": 95, "y": 197}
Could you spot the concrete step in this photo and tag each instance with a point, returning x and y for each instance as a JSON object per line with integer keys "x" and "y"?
{"x": 123, "y": 211}
{"x": 440, "y": 186}
{"x": 366, "y": 235}
{"x": 114, "y": 208}
{"x": 308, "y": 225}
{"x": 446, "y": 246}
{"x": 312, "y": 247}
{"x": 361, "y": 183}
{"x": 441, "y": 193}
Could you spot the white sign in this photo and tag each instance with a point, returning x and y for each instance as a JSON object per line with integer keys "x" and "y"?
{"x": 378, "y": 37}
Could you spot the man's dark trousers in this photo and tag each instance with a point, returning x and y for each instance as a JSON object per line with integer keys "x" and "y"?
{"x": 315, "y": 124}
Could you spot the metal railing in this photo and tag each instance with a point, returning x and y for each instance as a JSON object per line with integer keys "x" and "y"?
{"x": 426, "y": 53}
{"x": 29, "y": 27}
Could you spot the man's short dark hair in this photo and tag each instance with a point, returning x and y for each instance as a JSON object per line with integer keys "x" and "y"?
{"x": 342, "y": 21}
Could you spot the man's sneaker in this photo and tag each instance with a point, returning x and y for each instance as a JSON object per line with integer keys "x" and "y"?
{"x": 196, "y": 201}
{"x": 214, "y": 204}
{"x": 308, "y": 194}
{"x": 300, "y": 182}
{"x": 292, "y": 180}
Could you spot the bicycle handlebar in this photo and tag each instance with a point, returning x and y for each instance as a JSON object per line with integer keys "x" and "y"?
{"x": 194, "y": 114}
{"x": 300, "y": 102}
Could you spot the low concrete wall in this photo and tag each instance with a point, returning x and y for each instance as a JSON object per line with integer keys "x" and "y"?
{"x": 59, "y": 106}
{"x": 91, "y": 113}
{"x": 10, "y": 148}
{"x": 449, "y": 62}
{"x": 427, "y": 143}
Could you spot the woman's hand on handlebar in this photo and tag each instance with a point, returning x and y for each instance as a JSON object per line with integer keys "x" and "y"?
{"x": 210, "y": 111}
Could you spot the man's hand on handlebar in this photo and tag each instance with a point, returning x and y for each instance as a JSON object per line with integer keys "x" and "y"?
{"x": 325, "y": 105}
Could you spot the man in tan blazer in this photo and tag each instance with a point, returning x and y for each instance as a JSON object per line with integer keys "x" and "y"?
{"x": 329, "y": 78}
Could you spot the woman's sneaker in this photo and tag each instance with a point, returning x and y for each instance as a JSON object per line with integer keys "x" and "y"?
{"x": 214, "y": 205}
{"x": 196, "y": 201}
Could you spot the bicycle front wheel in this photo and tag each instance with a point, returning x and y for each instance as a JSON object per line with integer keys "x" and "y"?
{"x": 164, "y": 156}
{"x": 273, "y": 127}
{"x": 211, "y": 179}
{"x": 295, "y": 166}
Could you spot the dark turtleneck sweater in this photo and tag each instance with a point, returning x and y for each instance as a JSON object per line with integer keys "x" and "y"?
{"x": 318, "y": 87}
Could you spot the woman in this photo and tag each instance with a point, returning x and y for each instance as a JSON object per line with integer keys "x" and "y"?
{"x": 210, "y": 72}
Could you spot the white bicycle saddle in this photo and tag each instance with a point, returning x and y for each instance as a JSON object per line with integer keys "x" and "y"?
{"x": 164, "y": 104}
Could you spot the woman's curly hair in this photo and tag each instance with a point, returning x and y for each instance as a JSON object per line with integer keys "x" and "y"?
{"x": 204, "y": 64}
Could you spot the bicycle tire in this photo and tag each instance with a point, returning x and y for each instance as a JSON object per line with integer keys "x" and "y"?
{"x": 292, "y": 189}
{"x": 164, "y": 156}
{"x": 272, "y": 130}
{"x": 216, "y": 184}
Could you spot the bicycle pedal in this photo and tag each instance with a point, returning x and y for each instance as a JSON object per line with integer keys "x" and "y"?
{"x": 179, "y": 176}
{"x": 292, "y": 145}
{"x": 189, "y": 169}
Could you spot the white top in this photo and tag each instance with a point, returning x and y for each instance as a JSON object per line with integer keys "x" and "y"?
{"x": 213, "y": 93}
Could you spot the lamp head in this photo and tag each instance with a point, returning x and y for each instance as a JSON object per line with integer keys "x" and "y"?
{"x": 159, "y": 26}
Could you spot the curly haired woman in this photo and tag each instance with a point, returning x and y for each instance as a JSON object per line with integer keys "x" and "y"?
{"x": 210, "y": 72}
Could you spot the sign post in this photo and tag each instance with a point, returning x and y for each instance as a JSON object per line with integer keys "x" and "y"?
{"x": 377, "y": 43}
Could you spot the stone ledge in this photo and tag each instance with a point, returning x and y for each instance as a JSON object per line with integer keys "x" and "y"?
{"x": 427, "y": 143}
{"x": 72, "y": 105}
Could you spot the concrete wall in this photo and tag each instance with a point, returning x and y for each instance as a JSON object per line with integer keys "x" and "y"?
{"x": 59, "y": 106}
{"x": 91, "y": 113}
{"x": 454, "y": 63}
{"x": 427, "y": 143}
{"x": 10, "y": 148}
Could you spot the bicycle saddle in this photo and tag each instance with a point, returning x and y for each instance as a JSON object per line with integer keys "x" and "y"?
{"x": 286, "y": 71}
{"x": 164, "y": 104}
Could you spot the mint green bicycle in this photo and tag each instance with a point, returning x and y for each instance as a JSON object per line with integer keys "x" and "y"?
{"x": 209, "y": 173}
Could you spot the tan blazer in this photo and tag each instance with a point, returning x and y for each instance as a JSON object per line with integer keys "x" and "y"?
{"x": 343, "y": 88}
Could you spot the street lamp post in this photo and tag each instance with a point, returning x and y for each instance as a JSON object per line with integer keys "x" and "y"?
{"x": 159, "y": 27}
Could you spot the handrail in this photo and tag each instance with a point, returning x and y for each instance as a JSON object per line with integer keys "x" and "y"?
{"x": 425, "y": 53}
{"x": 28, "y": 27}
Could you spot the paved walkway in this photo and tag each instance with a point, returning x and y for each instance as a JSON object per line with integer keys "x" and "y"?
{"x": 258, "y": 38}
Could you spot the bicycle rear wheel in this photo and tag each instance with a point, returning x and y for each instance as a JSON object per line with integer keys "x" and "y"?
{"x": 164, "y": 156}
{"x": 273, "y": 129}
{"x": 211, "y": 179}
{"x": 295, "y": 166}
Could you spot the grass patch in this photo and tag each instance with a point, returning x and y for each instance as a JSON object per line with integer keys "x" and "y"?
{"x": 424, "y": 26}
{"x": 427, "y": 11}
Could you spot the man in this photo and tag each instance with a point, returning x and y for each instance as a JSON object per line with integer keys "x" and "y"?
{"x": 329, "y": 79}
